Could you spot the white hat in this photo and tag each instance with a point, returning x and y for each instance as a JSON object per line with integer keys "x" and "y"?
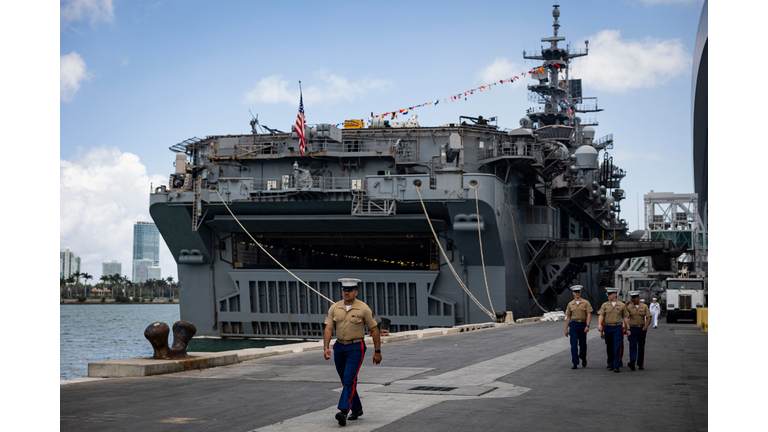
{"x": 349, "y": 282}
{"x": 642, "y": 300}
{"x": 576, "y": 288}
{"x": 654, "y": 298}
{"x": 611, "y": 290}
{"x": 634, "y": 293}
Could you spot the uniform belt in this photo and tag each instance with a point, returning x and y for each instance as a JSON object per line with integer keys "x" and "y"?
{"x": 348, "y": 342}
{"x": 579, "y": 320}
{"x": 633, "y": 325}
{"x": 609, "y": 324}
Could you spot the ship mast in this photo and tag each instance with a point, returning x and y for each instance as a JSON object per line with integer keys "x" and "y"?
{"x": 556, "y": 95}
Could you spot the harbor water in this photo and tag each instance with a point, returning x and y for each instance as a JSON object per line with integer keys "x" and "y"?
{"x": 91, "y": 333}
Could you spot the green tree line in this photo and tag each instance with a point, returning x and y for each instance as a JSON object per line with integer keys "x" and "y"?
{"x": 71, "y": 287}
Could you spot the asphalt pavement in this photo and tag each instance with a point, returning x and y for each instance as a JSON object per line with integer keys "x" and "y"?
{"x": 516, "y": 377}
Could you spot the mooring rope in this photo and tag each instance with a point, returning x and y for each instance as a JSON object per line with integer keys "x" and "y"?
{"x": 480, "y": 239}
{"x": 268, "y": 254}
{"x": 437, "y": 240}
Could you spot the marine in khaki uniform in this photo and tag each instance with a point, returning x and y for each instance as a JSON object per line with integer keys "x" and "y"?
{"x": 349, "y": 317}
{"x": 578, "y": 315}
{"x": 639, "y": 320}
{"x": 610, "y": 316}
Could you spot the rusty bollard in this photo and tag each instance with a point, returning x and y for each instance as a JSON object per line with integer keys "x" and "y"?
{"x": 183, "y": 331}
{"x": 157, "y": 335}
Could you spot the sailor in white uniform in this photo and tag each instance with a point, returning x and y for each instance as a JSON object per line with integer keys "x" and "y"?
{"x": 655, "y": 311}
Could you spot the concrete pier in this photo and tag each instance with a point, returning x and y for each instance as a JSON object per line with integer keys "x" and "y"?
{"x": 515, "y": 377}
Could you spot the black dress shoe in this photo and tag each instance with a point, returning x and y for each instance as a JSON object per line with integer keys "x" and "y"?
{"x": 621, "y": 363}
{"x": 341, "y": 417}
{"x": 631, "y": 365}
{"x": 640, "y": 367}
{"x": 583, "y": 362}
{"x": 616, "y": 370}
{"x": 575, "y": 366}
{"x": 355, "y": 415}
{"x": 609, "y": 367}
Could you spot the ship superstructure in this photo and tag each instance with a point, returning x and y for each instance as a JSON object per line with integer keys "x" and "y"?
{"x": 538, "y": 198}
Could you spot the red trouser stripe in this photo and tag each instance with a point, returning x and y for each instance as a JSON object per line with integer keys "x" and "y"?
{"x": 354, "y": 382}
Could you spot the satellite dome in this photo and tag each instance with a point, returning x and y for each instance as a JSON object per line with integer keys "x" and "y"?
{"x": 520, "y": 132}
{"x": 588, "y": 132}
{"x": 586, "y": 157}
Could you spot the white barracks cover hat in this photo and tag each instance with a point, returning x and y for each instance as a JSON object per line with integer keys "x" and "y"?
{"x": 577, "y": 288}
{"x": 610, "y": 290}
{"x": 349, "y": 282}
{"x": 634, "y": 293}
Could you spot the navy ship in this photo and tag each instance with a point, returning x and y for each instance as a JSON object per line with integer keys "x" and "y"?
{"x": 445, "y": 225}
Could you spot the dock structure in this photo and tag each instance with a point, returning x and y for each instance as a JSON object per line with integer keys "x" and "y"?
{"x": 507, "y": 377}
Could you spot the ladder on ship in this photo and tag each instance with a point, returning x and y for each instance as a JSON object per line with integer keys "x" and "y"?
{"x": 362, "y": 205}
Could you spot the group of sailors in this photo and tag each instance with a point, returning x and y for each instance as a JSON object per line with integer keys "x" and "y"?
{"x": 615, "y": 319}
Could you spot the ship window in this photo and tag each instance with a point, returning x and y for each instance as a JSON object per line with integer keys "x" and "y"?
{"x": 313, "y": 299}
{"x": 293, "y": 298}
{"x": 434, "y": 306}
{"x": 223, "y": 306}
{"x": 573, "y": 228}
{"x": 234, "y": 303}
{"x": 325, "y": 288}
{"x": 262, "y": 297}
{"x": 391, "y": 298}
{"x": 302, "y": 299}
{"x": 412, "y": 298}
{"x": 380, "y": 299}
{"x": 369, "y": 291}
{"x": 447, "y": 309}
{"x": 402, "y": 298}
{"x": 283, "y": 297}
{"x": 272, "y": 297}
{"x": 336, "y": 291}
{"x": 252, "y": 291}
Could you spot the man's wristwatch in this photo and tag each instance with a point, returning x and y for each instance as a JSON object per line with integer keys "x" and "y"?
{"x": 327, "y": 348}
{"x": 377, "y": 351}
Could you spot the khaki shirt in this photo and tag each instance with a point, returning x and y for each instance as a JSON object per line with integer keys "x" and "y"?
{"x": 637, "y": 314}
{"x": 578, "y": 311}
{"x": 613, "y": 315}
{"x": 350, "y": 324}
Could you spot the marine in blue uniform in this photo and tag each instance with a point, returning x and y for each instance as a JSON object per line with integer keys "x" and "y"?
{"x": 578, "y": 315}
{"x": 610, "y": 317}
{"x": 639, "y": 320}
{"x": 349, "y": 317}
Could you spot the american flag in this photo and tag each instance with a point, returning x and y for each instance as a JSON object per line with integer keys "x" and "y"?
{"x": 300, "y": 126}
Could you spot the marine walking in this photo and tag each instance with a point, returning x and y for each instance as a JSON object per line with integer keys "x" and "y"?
{"x": 639, "y": 320}
{"x": 350, "y": 317}
{"x": 578, "y": 315}
{"x": 610, "y": 318}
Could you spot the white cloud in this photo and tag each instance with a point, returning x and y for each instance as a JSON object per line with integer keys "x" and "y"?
{"x": 500, "y": 69}
{"x": 103, "y": 192}
{"x": 73, "y": 72}
{"x": 92, "y": 10}
{"x": 330, "y": 88}
{"x": 617, "y": 65}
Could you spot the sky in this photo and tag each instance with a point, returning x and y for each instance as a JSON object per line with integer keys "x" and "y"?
{"x": 138, "y": 77}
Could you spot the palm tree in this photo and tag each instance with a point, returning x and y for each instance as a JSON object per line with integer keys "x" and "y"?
{"x": 62, "y": 284}
{"x": 86, "y": 277}
{"x": 76, "y": 275}
{"x": 71, "y": 281}
{"x": 169, "y": 280}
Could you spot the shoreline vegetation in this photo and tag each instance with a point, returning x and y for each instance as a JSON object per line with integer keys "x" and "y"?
{"x": 94, "y": 301}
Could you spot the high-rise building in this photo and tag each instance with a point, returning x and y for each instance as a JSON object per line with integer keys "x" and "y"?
{"x": 68, "y": 263}
{"x": 109, "y": 268}
{"x": 146, "y": 249}
{"x": 153, "y": 272}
